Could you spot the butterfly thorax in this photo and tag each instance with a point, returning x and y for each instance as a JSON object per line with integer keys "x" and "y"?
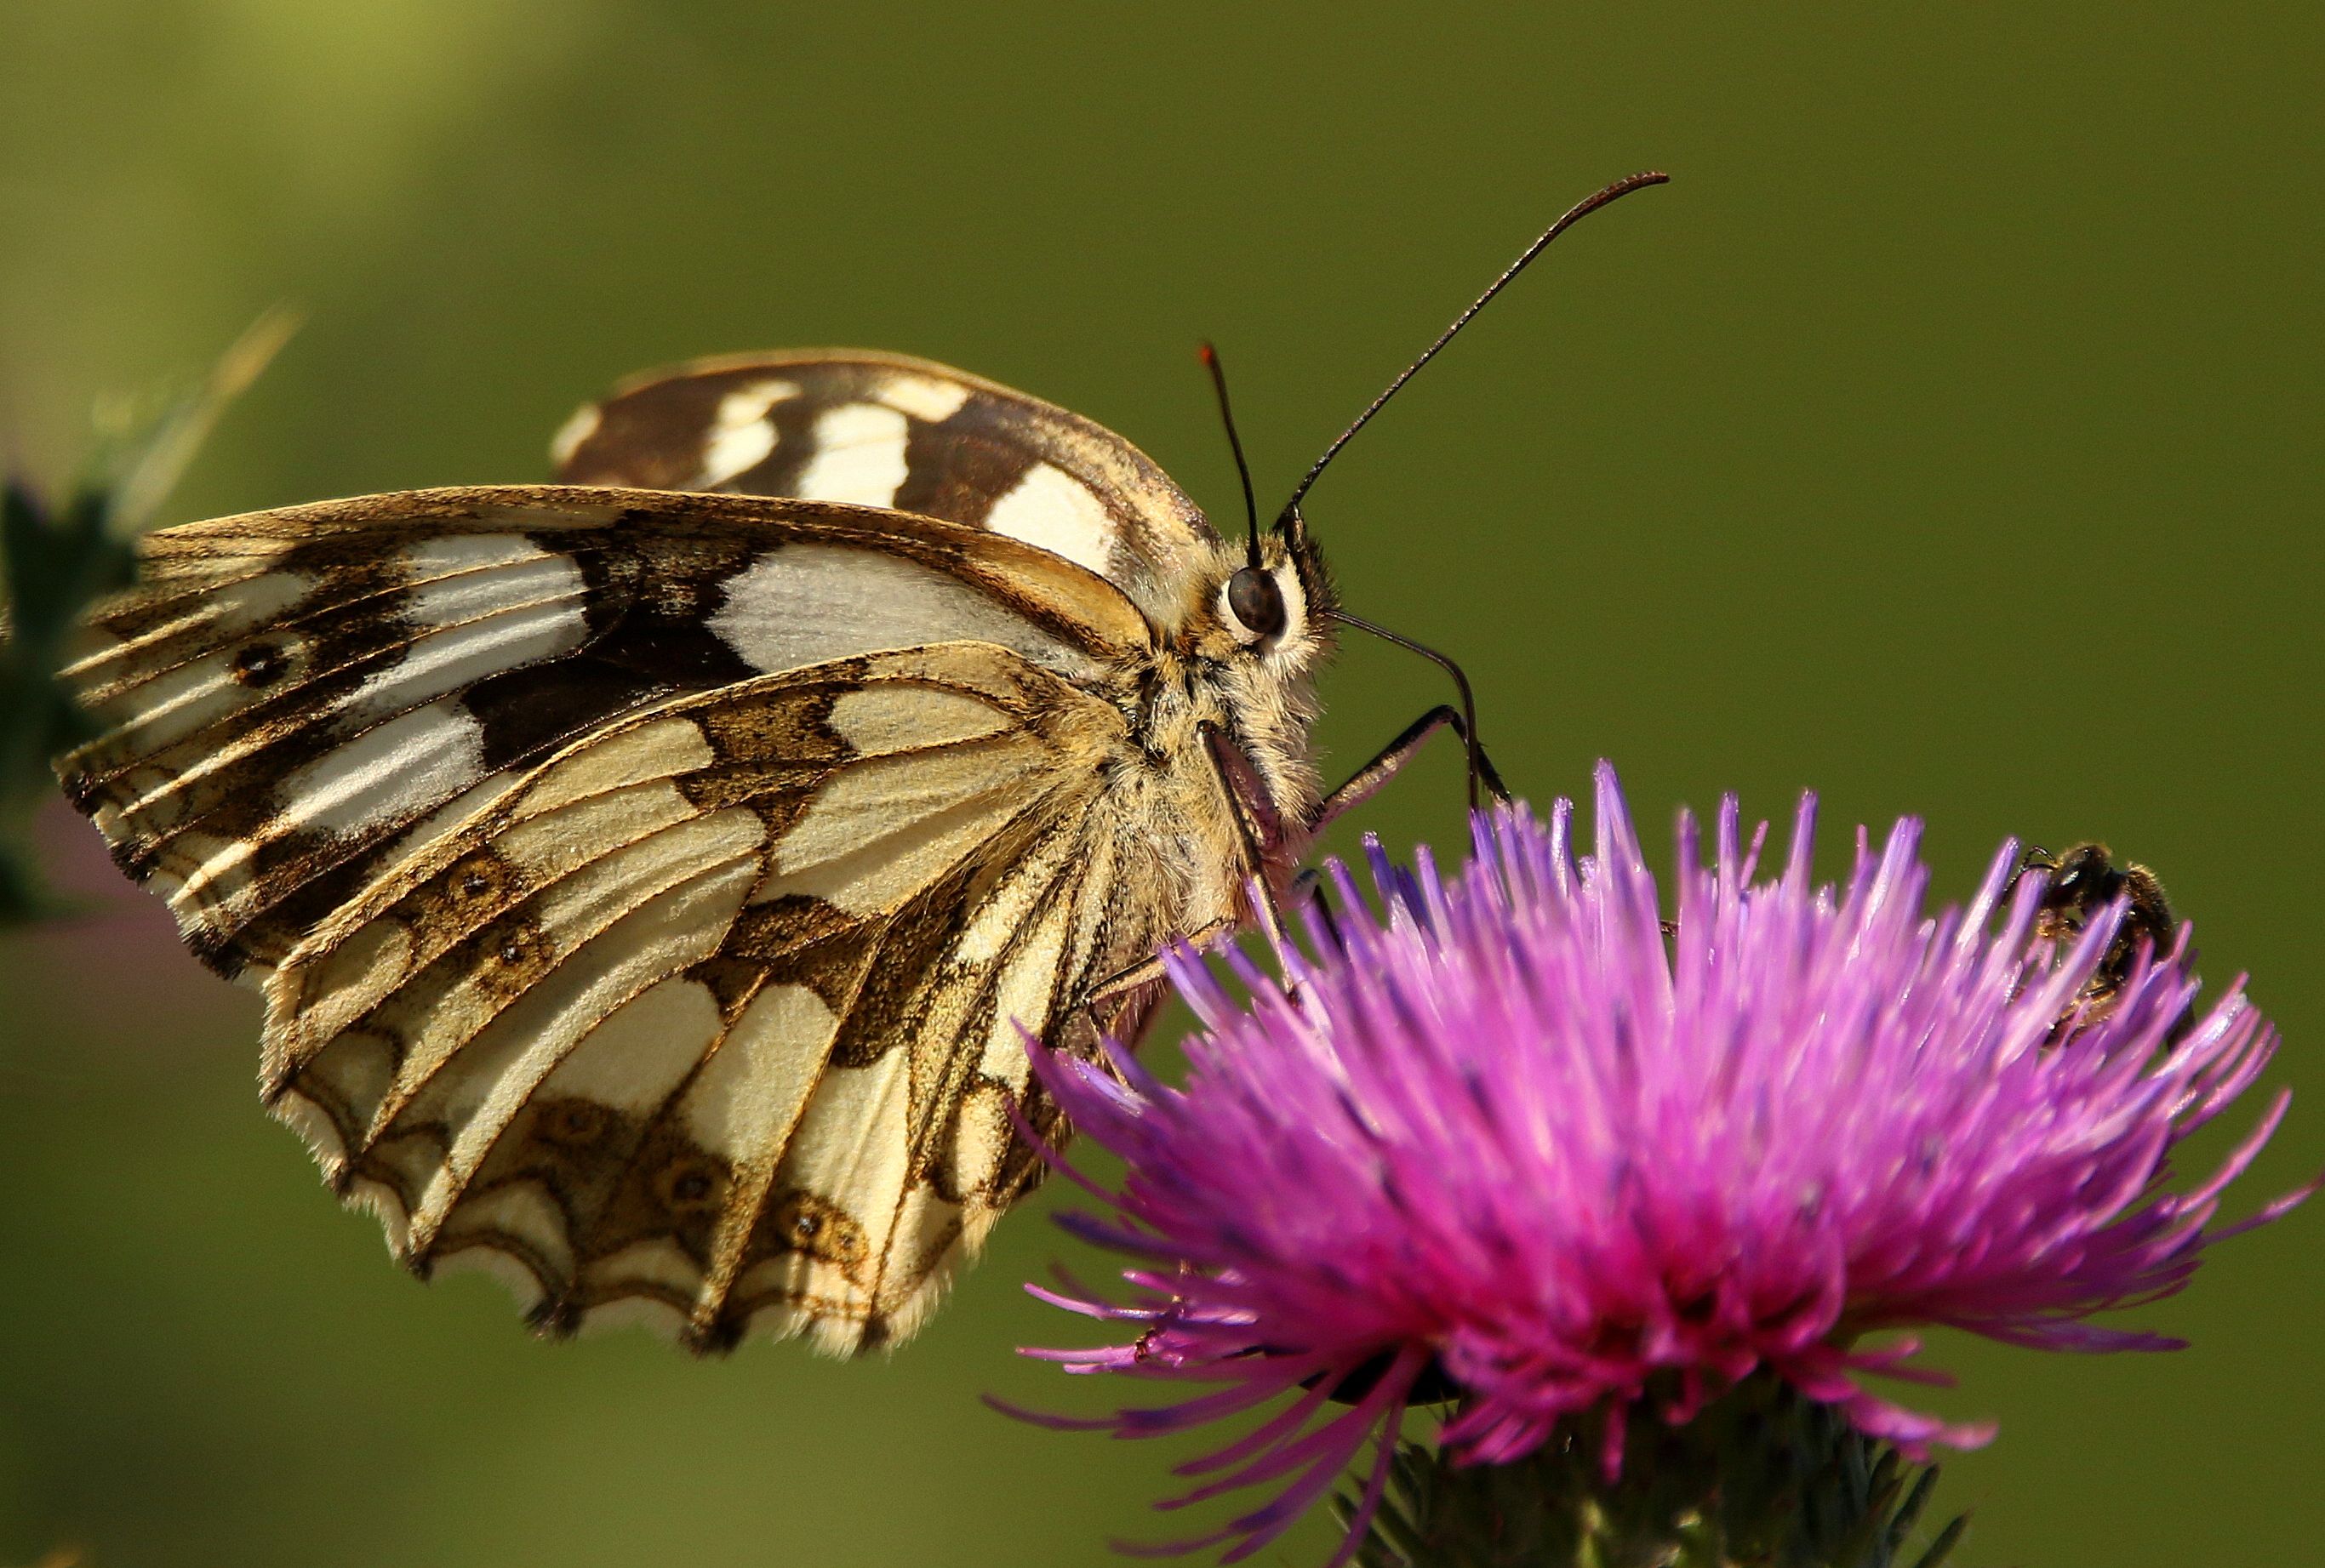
{"x": 1254, "y": 688}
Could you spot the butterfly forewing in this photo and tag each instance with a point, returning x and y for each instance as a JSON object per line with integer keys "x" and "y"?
{"x": 887, "y": 431}
{"x": 297, "y": 693}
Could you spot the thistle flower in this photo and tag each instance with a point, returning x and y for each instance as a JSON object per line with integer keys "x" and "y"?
{"x": 1513, "y": 1142}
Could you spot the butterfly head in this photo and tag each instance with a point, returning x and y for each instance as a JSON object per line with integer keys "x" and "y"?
{"x": 1270, "y": 607}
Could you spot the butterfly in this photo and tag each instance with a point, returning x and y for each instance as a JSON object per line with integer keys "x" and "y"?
{"x": 653, "y": 877}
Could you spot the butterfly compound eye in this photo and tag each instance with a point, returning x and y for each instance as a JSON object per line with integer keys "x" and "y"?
{"x": 1254, "y": 599}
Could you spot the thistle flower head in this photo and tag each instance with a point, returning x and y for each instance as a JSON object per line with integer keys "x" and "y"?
{"x": 1513, "y": 1139}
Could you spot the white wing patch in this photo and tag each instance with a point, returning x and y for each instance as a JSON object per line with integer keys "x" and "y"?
{"x": 387, "y": 773}
{"x": 644, "y": 1051}
{"x": 882, "y": 719}
{"x": 1050, "y": 509}
{"x": 443, "y": 563}
{"x": 578, "y": 427}
{"x": 879, "y": 832}
{"x": 924, "y": 397}
{"x": 453, "y": 598}
{"x": 749, "y": 1096}
{"x": 741, "y": 436}
{"x": 806, "y": 604}
{"x": 445, "y": 661}
{"x": 222, "y": 611}
{"x": 860, "y": 455}
{"x": 189, "y": 699}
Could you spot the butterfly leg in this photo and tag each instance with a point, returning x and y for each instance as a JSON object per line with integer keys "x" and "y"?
{"x": 1309, "y": 893}
{"x": 1367, "y": 781}
{"x": 1257, "y": 828}
{"x": 1150, "y": 971}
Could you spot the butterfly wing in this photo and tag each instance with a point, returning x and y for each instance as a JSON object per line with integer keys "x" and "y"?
{"x": 648, "y": 889}
{"x": 295, "y": 700}
{"x": 716, "y": 1014}
{"x": 882, "y": 429}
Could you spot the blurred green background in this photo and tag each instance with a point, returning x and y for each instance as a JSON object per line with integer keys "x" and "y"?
{"x": 1947, "y": 437}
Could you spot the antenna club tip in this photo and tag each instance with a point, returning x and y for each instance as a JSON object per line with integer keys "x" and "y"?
{"x": 1206, "y": 353}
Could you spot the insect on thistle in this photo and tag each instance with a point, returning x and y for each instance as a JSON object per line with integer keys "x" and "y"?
{"x": 650, "y": 874}
{"x": 2082, "y": 883}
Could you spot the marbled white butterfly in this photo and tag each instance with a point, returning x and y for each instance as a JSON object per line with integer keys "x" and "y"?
{"x": 649, "y": 875}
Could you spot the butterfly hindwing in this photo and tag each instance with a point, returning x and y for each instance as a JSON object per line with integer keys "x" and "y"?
{"x": 881, "y": 429}
{"x": 295, "y": 699}
{"x": 715, "y": 1014}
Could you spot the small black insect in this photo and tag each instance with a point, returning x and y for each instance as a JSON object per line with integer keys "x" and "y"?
{"x": 2084, "y": 881}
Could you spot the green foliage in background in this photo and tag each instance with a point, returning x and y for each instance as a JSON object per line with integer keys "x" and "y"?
{"x": 57, "y": 558}
{"x": 52, "y": 563}
{"x": 1944, "y": 437}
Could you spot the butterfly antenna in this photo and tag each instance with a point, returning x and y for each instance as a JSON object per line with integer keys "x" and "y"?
{"x": 1210, "y": 357}
{"x": 1480, "y": 768}
{"x": 1568, "y": 219}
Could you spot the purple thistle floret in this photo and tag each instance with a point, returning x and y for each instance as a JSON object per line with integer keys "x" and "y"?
{"x": 1513, "y": 1136}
